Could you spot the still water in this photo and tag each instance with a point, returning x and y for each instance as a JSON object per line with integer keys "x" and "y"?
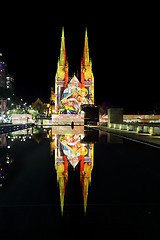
{"x": 63, "y": 182}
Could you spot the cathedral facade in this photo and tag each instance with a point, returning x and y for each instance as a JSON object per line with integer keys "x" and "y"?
{"x": 71, "y": 93}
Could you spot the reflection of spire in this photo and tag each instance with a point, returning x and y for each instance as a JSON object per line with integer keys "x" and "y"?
{"x": 85, "y": 175}
{"x": 61, "y": 165}
{"x": 62, "y": 192}
{"x": 62, "y": 181}
{"x": 85, "y": 193}
{"x": 68, "y": 148}
{"x": 85, "y": 180}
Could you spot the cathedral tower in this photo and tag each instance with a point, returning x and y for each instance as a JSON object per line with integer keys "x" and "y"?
{"x": 70, "y": 95}
{"x": 87, "y": 78}
{"x": 61, "y": 79}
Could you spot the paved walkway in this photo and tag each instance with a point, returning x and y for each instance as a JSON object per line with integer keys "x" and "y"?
{"x": 132, "y": 135}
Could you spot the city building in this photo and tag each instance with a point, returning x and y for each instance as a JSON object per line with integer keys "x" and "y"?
{"x": 9, "y": 82}
{"x": 45, "y": 108}
{"x": 6, "y": 80}
{"x": 39, "y": 106}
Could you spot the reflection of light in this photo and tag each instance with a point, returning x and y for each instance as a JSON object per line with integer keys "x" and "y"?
{"x": 69, "y": 149}
{"x": 9, "y": 160}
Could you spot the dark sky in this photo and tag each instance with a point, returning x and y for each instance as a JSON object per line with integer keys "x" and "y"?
{"x": 123, "y": 43}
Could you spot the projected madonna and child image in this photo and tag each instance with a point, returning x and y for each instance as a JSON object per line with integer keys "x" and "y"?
{"x": 73, "y": 97}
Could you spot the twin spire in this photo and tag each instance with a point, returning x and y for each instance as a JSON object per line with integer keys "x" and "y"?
{"x": 62, "y": 60}
{"x": 85, "y": 59}
{"x": 62, "y": 78}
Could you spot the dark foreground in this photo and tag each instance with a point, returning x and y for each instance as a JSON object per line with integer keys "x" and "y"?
{"x": 123, "y": 194}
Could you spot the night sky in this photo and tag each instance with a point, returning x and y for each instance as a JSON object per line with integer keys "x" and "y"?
{"x": 123, "y": 43}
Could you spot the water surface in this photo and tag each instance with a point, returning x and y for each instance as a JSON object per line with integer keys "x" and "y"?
{"x": 64, "y": 182}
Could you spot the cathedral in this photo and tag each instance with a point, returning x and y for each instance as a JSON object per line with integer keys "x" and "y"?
{"x": 71, "y": 97}
{"x": 71, "y": 93}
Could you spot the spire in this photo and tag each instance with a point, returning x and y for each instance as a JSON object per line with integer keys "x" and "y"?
{"x": 86, "y": 50}
{"x": 52, "y": 98}
{"x": 62, "y": 60}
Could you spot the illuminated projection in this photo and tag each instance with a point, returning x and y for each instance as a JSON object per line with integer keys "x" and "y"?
{"x": 72, "y": 98}
{"x": 69, "y": 151}
{"x": 70, "y": 93}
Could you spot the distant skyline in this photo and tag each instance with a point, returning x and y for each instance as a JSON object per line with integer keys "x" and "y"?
{"x": 123, "y": 48}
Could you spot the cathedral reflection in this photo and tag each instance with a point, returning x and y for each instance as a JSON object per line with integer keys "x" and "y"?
{"x": 70, "y": 150}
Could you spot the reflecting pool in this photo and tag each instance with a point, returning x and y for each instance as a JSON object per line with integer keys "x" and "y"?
{"x": 61, "y": 182}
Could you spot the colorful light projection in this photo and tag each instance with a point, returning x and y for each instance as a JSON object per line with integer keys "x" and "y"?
{"x": 72, "y": 98}
{"x": 71, "y": 94}
{"x": 69, "y": 151}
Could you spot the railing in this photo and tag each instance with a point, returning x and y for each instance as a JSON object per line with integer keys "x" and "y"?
{"x": 4, "y": 128}
{"x": 44, "y": 117}
{"x": 150, "y": 128}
